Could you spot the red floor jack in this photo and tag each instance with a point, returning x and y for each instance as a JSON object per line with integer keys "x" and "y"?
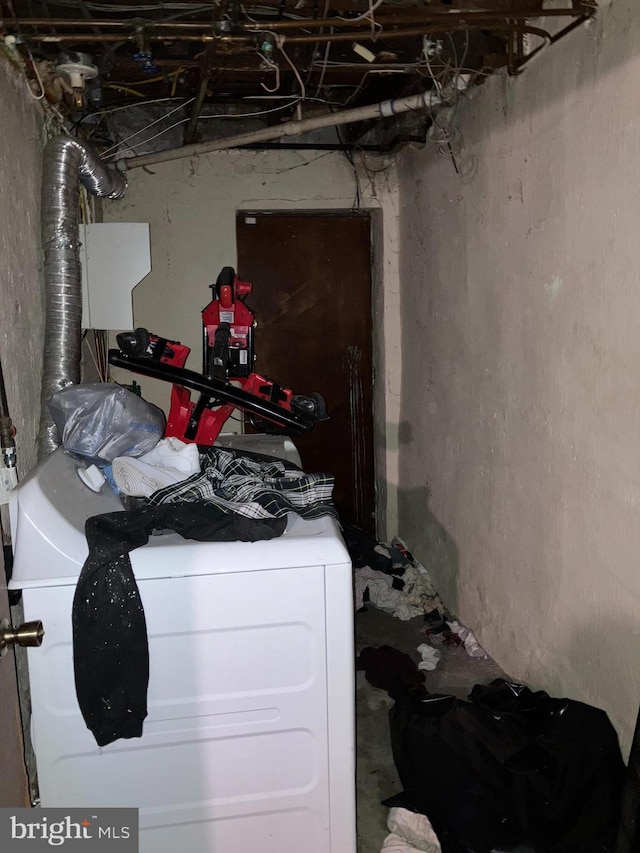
{"x": 228, "y": 325}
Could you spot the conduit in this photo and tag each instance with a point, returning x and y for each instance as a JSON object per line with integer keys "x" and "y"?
{"x": 67, "y": 163}
{"x": 426, "y": 100}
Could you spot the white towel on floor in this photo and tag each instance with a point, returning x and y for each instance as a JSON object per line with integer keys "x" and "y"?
{"x": 410, "y": 832}
{"x": 170, "y": 461}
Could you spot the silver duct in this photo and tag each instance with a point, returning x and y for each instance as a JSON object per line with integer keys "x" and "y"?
{"x": 67, "y": 163}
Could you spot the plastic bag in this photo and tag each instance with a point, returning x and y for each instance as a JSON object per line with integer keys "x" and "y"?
{"x": 510, "y": 771}
{"x": 104, "y": 420}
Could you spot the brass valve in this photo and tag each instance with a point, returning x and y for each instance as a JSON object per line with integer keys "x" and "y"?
{"x": 27, "y": 634}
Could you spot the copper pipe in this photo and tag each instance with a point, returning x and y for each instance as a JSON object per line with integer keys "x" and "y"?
{"x": 412, "y": 32}
{"x": 321, "y": 38}
{"x": 420, "y": 16}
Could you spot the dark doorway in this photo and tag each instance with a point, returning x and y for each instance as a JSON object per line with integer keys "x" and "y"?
{"x": 312, "y": 299}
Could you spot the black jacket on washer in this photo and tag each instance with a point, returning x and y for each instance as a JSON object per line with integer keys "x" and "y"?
{"x": 110, "y": 648}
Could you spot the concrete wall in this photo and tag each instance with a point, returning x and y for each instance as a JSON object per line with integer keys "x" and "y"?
{"x": 191, "y": 206}
{"x": 520, "y": 418}
{"x": 21, "y": 317}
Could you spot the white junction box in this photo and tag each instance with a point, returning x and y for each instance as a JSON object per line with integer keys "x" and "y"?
{"x": 249, "y": 741}
{"x": 114, "y": 258}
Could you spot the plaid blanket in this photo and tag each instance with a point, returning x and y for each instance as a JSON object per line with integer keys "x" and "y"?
{"x": 252, "y": 485}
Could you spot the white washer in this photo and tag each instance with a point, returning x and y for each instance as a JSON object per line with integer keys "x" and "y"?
{"x": 249, "y": 741}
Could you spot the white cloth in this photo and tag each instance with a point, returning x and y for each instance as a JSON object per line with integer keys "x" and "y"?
{"x": 382, "y": 595}
{"x": 170, "y": 462}
{"x": 410, "y": 832}
{"x": 469, "y": 640}
{"x": 430, "y": 657}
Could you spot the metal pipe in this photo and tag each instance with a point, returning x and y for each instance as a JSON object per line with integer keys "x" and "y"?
{"x": 320, "y": 38}
{"x": 67, "y": 163}
{"x": 419, "y": 16}
{"x": 427, "y": 99}
{"x": 408, "y": 33}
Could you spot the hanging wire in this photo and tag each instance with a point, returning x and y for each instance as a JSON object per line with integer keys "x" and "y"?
{"x": 280, "y": 40}
{"x": 151, "y": 124}
{"x": 316, "y": 45}
{"x": 36, "y": 71}
{"x": 367, "y": 14}
{"x": 349, "y": 156}
{"x": 444, "y": 133}
{"x": 274, "y": 67}
{"x": 324, "y": 66}
{"x": 292, "y": 103}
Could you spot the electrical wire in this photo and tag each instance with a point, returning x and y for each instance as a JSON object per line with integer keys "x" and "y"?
{"x": 444, "y": 133}
{"x": 316, "y": 45}
{"x": 357, "y": 201}
{"x": 280, "y": 44}
{"x": 106, "y": 110}
{"x": 357, "y": 90}
{"x": 293, "y": 103}
{"x": 200, "y": 118}
{"x": 151, "y": 124}
{"x": 324, "y": 66}
{"x": 302, "y": 165}
{"x": 367, "y": 14}
{"x": 144, "y": 141}
{"x": 36, "y": 71}
{"x": 159, "y": 79}
{"x": 274, "y": 67}
{"x": 126, "y": 89}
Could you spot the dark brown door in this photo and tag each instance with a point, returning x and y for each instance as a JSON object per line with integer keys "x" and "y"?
{"x": 311, "y": 277}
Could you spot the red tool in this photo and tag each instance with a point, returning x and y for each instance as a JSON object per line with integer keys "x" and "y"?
{"x": 228, "y": 306}
{"x": 228, "y": 326}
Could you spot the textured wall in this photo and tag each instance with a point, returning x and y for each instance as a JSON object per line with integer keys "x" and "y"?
{"x": 21, "y": 327}
{"x": 191, "y": 205}
{"x": 520, "y": 419}
{"x": 21, "y": 317}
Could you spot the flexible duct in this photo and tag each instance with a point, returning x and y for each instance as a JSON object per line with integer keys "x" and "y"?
{"x": 67, "y": 163}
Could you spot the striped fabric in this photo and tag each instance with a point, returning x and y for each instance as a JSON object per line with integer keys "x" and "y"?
{"x": 253, "y": 486}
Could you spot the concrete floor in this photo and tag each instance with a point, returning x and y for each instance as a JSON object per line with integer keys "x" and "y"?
{"x": 376, "y": 774}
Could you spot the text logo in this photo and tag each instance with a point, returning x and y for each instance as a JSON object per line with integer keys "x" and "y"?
{"x": 35, "y": 830}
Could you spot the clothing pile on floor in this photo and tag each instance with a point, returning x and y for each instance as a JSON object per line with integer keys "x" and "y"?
{"x": 390, "y": 578}
{"x": 510, "y": 770}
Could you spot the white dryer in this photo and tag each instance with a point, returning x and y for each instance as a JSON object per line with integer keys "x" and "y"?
{"x": 249, "y": 741}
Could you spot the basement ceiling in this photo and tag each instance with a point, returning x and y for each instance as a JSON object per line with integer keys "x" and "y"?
{"x": 183, "y": 66}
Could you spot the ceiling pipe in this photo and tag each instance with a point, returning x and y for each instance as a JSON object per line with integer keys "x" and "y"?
{"x": 411, "y": 32}
{"x": 67, "y": 163}
{"x": 320, "y": 38}
{"x": 421, "y": 16}
{"x": 426, "y": 100}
